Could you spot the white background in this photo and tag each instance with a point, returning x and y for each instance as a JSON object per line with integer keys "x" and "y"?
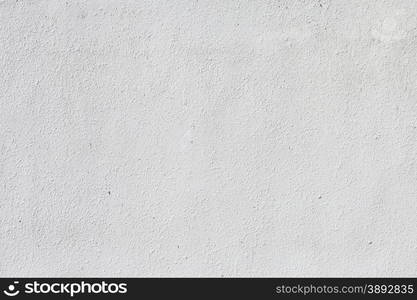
{"x": 208, "y": 138}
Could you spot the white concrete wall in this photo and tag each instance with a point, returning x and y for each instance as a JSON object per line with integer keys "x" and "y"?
{"x": 208, "y": 138}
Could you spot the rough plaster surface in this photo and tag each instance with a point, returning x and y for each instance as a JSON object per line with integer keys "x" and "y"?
{"x": 208, "y": 138}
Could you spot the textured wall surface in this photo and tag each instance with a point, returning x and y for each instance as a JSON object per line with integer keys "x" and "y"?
{"x": 208, "y": 138}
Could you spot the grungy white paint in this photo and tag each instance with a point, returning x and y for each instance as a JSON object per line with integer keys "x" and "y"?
{"x": 208, "y": 138}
